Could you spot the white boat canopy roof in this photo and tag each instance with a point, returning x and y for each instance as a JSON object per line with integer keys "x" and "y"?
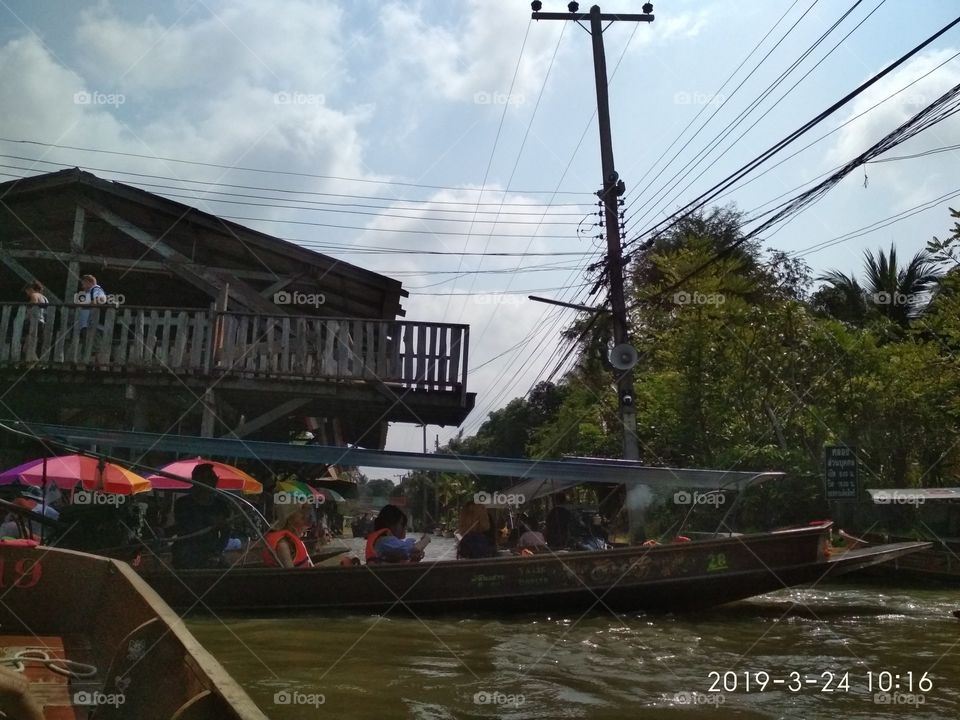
{"x": 907, "y": 496}
{"x": 535, "y": 487}
{"x": 536, "y": 476}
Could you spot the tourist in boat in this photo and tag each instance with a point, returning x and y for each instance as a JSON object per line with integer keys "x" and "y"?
{"x": 286, "y": 537}
{"x": 474, "y": 528}
{"x": 565, "y": 526}
{"x": 530, "y": 541}
{"x": 30, "y": 498}
{"x": 388, "y": 542}
{"x": 201, "y": 522}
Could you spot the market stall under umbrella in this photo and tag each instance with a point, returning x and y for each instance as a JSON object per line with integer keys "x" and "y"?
{"x": 228, "y": 477}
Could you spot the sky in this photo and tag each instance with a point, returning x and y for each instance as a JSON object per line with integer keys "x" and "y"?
{"x": 467, "y": 129}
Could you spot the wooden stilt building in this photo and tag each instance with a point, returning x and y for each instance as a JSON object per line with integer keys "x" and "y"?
{"x": 211, "y": 328}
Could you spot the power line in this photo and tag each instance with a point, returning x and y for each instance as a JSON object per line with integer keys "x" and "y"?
{"x": 942, "y": 108}
{"x": 791, "y": 89}
{"x": 877, "y": 225}
{"x": 493, "y": 152}
{"x": 714, "y": 144}
{"x": 296, "y": 192}
{"x": 708, "y": 195}
{"x": 526, "y": 134}
{"x": 642, "y": 193}
{"x": 828, "y": 134}
{"x": 290, "y": 173}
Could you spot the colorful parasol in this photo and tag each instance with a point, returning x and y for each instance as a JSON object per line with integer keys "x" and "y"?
{"x": 68, "y": 471}
{"x": 302, "y": 490}
{"x": 228, "y": 477}
{"x": 331, "y": 495}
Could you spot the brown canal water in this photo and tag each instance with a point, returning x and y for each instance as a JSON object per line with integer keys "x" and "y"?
{"x": 845, "y": 650}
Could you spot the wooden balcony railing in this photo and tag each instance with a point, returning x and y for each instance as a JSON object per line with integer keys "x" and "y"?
{"x": 427, "y": 356}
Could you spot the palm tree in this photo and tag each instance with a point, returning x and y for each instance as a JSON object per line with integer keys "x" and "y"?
{"x": 899, "y": 293}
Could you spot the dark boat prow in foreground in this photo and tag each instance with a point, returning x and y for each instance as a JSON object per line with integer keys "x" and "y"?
{"x": 684, "y": 576}
{"x": 99, "y": 612}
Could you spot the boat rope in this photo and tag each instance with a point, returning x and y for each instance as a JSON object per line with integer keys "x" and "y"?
{"x": 61, "y": 666}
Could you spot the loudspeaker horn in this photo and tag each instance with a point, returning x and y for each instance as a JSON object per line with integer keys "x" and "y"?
{"x": 623, "y": 356}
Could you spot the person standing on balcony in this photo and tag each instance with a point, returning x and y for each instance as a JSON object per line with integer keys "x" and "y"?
{"x": 90, "y": 294}
{"x": 38, "y": 302}
{"x": 35, "y": 296}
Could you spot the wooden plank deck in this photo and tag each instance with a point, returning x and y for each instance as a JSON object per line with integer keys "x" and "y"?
{"x": 51, "y": 690}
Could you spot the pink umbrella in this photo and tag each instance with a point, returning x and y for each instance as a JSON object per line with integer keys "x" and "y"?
{"x": 228, "y": 477}
{"x": 68, "y": 471}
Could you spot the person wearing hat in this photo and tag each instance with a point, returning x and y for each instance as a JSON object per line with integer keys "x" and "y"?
{"x": 30, "y": 498}
{"x": 285, "y": 539}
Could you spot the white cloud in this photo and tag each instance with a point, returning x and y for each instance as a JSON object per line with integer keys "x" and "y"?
{"x": 672, "y": 28}
{"x": 295, "y": 47}
{"x": 476, "y": 56}
{"x": 867, "y": 130}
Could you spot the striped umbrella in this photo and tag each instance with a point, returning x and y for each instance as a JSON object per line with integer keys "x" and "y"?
{"x": 228, "y": 477}
{"x": 68, "y": 471}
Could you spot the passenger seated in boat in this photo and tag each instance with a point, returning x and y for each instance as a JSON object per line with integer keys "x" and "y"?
{"x": 530, "y": 540}
{"x": 388, "y": 542}
{"x": 565, "y": 526}
{"x": 474, "y": 529}
{"x": 201, "y": 520}
{"x": 30, "y": 498}
{"x": 285, "y": 539}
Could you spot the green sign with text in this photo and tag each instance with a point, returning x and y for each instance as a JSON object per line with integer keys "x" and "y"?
{"x": 840, "y": 473}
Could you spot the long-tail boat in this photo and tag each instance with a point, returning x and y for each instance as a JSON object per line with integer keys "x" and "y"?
{"x": 675, "y": 577}
{"x": 690, "y": 575}
{"x": 96, "y": 642}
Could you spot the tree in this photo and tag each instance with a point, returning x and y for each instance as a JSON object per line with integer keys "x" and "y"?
{"x": 896, "y": 292}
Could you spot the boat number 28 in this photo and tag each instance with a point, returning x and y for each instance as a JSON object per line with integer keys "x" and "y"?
{"x": 24, "y": 573}
{"x": 716, "y": 561}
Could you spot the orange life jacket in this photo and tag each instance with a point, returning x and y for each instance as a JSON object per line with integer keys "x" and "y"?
{"x": 300, "y": 557}
{"x": 371, "y": 553}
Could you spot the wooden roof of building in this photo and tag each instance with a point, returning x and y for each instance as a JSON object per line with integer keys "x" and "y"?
{"x": 157, "y": 251}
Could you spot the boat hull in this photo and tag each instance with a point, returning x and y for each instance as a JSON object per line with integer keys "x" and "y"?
{"x": 939, "y": 564}
{"x": 98, "y": 611}
{"x": 662, "y": 578}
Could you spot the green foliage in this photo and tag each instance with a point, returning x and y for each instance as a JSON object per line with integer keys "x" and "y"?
{"x": 741, "y": 368}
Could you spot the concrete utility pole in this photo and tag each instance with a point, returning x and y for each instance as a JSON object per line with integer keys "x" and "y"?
{"x": 623, "y": 357}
